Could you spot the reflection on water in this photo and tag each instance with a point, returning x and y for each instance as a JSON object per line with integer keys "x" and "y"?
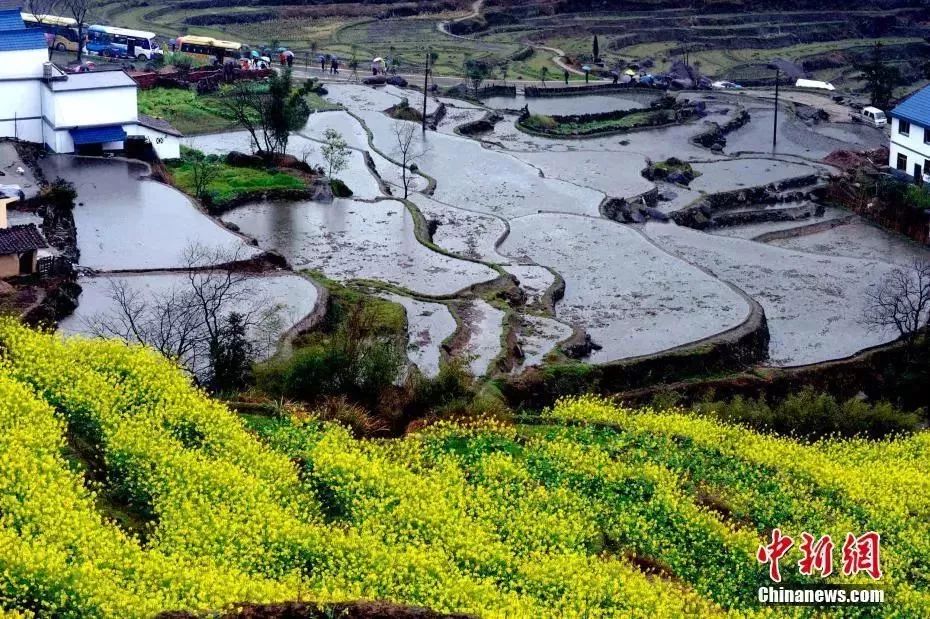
{"x": 128, "y": 222}
{"x": 350, "y": 240}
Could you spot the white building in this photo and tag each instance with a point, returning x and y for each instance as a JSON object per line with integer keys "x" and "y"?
{"x": 80, "y": 112}
{"x": 910, "y": 135}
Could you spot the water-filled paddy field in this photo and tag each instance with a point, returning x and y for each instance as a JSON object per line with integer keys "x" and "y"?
{"x": 531, "y": 207}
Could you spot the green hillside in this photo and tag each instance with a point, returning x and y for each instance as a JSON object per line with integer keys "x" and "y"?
{"x": 126, "y": 492}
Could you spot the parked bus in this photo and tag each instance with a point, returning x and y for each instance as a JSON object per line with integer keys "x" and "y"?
{"x": 207, "y": 49}
{"x": 122, "y": 43}
{"x": 63, "y": 29}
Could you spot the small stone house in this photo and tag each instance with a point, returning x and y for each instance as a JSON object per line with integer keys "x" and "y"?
{"x": 19, "y": 245}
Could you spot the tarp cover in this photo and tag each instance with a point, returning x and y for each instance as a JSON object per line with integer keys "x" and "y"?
{"x": 98, "y": 135}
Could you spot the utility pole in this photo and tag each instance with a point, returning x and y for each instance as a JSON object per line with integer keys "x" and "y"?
{"x": 425, "y": 88}
{"x": 775, "y": 116}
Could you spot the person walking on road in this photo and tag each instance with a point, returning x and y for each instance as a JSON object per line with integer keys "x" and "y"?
{"x": 566, "y": 77}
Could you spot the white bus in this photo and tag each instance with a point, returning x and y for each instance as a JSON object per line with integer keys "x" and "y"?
{"x": 122, "y": 42}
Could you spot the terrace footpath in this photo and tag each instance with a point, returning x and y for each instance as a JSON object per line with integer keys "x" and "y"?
{"x": 416, "y": 79}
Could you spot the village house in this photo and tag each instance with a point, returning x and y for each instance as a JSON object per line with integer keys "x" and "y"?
{"x": 85, "y": 113}
{"x": 910, "y": 135}
{"x": 19, "y": 245}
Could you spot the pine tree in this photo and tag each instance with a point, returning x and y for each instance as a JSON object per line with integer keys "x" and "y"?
{"x": 596, "y": 49}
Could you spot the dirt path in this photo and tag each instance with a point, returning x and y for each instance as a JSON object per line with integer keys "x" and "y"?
{"x": 476, "y": 7}
{"x": 838, "y": 112}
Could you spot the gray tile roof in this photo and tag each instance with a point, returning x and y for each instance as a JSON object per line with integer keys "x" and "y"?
{"x": 158, "y": 124}
{"x": 19, "y": 239}
{"x": 92, "y": 79}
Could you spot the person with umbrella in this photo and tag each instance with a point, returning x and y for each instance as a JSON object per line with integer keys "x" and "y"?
{"x": 288, "y": 58}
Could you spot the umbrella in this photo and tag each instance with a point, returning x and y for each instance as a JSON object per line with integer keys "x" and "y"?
{"x": 266, "y": 58}
{"x": 254, "y": 53}
{"x": 586, "y": 68}
{"x": 630, "y": 72}
{"x": 288, "y": 53}
{"x": 378, "y": 59}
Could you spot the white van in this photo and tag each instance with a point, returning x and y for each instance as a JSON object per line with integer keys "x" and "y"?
{"x": 870, "y": 116}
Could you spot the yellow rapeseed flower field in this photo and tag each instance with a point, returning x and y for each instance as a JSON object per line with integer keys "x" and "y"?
{"x": 125, "y": 491}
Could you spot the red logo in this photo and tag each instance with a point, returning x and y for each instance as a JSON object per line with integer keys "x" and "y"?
{"x": 773, "y": 552}
{"x": 860, "y": 554}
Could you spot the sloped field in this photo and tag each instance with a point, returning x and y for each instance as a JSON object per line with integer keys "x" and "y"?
{"x": 126, "y": 492}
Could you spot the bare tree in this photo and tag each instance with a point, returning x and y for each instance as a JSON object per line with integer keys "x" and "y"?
{"x": 190, "y": 321}
{"x": 901, "y": 300}
{"x": 405, "y": 149}
{"x": 41, "y": 10}
{"x": 335, "y": 151}
{"x": 78, "y": 10}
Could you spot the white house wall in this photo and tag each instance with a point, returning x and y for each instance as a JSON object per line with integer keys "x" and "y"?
{"x": 21, "y": 109}
{"x": 912, "y": 146}
{"x": 165, "y": 145}
{"x": 87, "y": 108}
{"x": 23, "y": 63}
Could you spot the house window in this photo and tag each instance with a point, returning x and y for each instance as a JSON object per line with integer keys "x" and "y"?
{"x": 904, "y": 127}
{"x": 926, "y": 135}
{"x": 902, "y": 162}
{"x": 926, "y": 167}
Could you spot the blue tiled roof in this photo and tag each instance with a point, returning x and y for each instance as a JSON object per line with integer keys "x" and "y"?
{"x": 11, "y": 20}
{"x": 14, "y": 36}
{"x": 915, "y": 108}
{"x": 98, "y": 135}
{"x": 19, "y": 40}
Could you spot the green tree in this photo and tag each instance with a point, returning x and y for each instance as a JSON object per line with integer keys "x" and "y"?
{"x": 268, "y": 112}
{"x": 231, "y": 356}
{"x": 476, "y": 71}
{"x": 596, "y": 48}
{"x": 335, "y": 151}
{"x": 880, "y": 78}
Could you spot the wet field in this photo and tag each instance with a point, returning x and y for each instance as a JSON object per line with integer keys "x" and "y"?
{"x": 126, "y": 222}
{"x": 531, "y": 206}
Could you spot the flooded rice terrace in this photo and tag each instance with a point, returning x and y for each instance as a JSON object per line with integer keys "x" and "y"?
{"x": 126, "y": 222}
{"x": 509, "y": 204}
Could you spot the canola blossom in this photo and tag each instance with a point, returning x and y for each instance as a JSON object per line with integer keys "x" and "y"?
{"x": 125, "y": 492}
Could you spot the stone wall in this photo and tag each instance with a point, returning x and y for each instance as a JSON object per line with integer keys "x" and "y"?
{"x": 731, "y": 351}
{"x": 151, "y": 79}
{"x": 561, "y": 91}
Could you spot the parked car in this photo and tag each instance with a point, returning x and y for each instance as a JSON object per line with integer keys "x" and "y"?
{"x": 870, "y": 116}
{"x": 725, "y": 85}
{"x": 104, "y": 46}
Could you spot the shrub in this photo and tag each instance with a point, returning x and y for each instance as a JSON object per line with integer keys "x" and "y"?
{"x": 540, "y": 122}
{"x": 339, "y": 188}
{"x": 813, "y": 415}
{"x": 60, "y": 195}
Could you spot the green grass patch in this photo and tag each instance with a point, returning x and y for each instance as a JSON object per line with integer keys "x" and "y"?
{"x": 558, "y": 127}
{"x": 231, "y": 182}
{"x": 187, "y": 111}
